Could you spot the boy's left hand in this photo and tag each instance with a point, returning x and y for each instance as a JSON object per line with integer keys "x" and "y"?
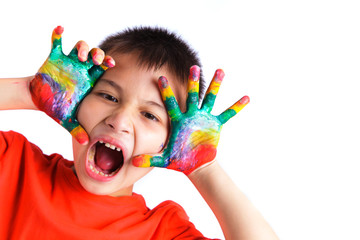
{"x": 194, "y": 134}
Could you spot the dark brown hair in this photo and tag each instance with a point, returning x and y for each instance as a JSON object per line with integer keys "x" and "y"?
{"x": 156, "y": 47}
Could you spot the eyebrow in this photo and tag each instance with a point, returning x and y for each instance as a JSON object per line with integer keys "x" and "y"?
{"x": 111, "y": 83}
{"x": 152, "y": 103}
{"x": 119, "y": 89}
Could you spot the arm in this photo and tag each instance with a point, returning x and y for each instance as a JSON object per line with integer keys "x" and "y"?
{"x": 238, "y": 217}
{"x": 15, "y": 94}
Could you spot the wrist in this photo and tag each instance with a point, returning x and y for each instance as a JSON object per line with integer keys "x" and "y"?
{"x": 15, "y": 93}
{"x": 28, "y": 100}
{"x": 204, "y": 171}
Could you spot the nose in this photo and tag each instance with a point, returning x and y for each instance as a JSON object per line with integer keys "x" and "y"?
{"x": 120, "y": 121}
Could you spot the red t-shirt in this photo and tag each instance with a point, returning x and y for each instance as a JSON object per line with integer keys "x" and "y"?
{"x": 41, "y": 198}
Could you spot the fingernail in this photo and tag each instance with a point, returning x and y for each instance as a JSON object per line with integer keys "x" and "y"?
{"x": 163, "y": 82}
{"x": 219, "y": 75}
{"x": 245, "y": 100}
{"x": 109, "y": 62}
{"x": 97, "y": 58}
{"x": 195, "y": 73}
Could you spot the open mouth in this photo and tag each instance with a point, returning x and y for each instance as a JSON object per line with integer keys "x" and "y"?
{"x": 104, "y": 160}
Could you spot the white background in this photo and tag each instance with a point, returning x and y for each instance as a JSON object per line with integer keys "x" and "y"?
{"x": 294, "y": 150}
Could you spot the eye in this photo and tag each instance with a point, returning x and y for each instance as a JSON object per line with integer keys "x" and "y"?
{"x": 150, "y": 116}
{"x": 108, "y": 97}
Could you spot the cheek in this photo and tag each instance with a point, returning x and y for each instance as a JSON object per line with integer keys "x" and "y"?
{"x": 87, "y": 114}
{"x": 151, "y": 141}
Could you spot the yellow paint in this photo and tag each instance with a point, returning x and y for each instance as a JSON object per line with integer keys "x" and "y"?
{"x": 80, "y": 135}
{"x": 193, "y": 86}
{"x": 167, "y": 93}
{"x": 205, "y": 136}
{"x": 214, "y": 88}
{"x": 238, "y": 106}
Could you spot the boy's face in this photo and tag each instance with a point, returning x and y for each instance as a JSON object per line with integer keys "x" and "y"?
{"x": 124, "y": 116}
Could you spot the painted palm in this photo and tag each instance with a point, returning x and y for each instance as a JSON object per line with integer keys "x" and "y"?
{"x": 194, "y": 134}
{"x": 62, "y": 82}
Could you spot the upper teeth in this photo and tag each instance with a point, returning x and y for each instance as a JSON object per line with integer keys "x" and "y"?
{"x": 113, "y": 147}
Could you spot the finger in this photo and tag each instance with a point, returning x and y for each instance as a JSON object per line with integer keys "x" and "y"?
{"x": 233, "y": 110}
{"x": 80, "y": 51}
{"x": 192, "y": 100}
{"x": 97, "y": 55}
{"x": 169, "y": 99}
{"x": 212, "y": 91}
{"x": 80, "y": 135}
{"x": 56, "y": 39}
{"x": 149, "y": 161}
{"x": 97, "y": 70}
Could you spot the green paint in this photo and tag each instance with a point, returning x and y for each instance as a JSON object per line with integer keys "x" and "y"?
{"x": 192, "y": 101}
{"x": 209, "y": 101}
{"x": 172, "y": 107}
{"x": 226, "y": 115}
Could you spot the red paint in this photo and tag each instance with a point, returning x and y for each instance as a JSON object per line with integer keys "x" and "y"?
{"x": 245, "y": 100}
{"x": 59, "y": 30}
{"x": 139, "y": 161}
{"x": 219, "y": 75}
{"x": 80, "y": 134}
{"x": 163, "y": 82}
{"x": 109, "y": 62}
{"x": 194, "y": 73}
{"x": 42, "y": 95}
{"x": 201, "y": 155}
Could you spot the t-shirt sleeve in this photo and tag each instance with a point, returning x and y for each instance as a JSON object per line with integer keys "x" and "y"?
{"x": 5, "y": 140}
{"x": 178, "y": 225}
{"x": 16, "y": 152}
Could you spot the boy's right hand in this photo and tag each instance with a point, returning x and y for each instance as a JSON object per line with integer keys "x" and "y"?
{"x": 64, "y": 80}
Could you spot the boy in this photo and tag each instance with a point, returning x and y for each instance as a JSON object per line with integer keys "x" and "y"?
{"x": 120, "y": 123}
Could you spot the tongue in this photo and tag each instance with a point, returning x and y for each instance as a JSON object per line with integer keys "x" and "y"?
{"x": 107, "y": 159}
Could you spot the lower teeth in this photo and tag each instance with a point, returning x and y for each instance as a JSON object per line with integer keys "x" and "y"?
{"x": 99, "y": 172}
{"x": 93, "y": 169}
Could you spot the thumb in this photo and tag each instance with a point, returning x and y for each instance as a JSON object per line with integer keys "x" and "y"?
{"x": 145, "y": 160}
{"x": 80, "y": 135}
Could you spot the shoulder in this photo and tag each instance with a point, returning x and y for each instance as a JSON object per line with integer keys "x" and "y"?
{"x": 11, "y": 141}
{"x": 17, "y": 148}
{"x": 14, "y": 142}
{"x": 10, "y": 136}
{"x": 171, "y": 208}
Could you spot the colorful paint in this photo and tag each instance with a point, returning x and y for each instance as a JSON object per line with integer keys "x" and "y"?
{"x": 195, "y": 133}
{"x": 62, "y": 82}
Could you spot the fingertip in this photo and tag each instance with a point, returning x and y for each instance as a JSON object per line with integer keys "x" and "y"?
{"x": 59, "y": 30}
{"x": 141, "y": 161}
{"x": 56, "y": 37}
{"x": 245, "y": 100}
{"x": 219, "y": 74}
{"x": 109, "y": 61}
{"x": 195, "y": 67}
{"x": 194, "y": 73}
{"x": 83, "y": 50}
{"x": 80, "y": 135}
{"x": 97, "y": 55}
{"x": 163, "y": 82}
{"x": 82, "y": 141}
